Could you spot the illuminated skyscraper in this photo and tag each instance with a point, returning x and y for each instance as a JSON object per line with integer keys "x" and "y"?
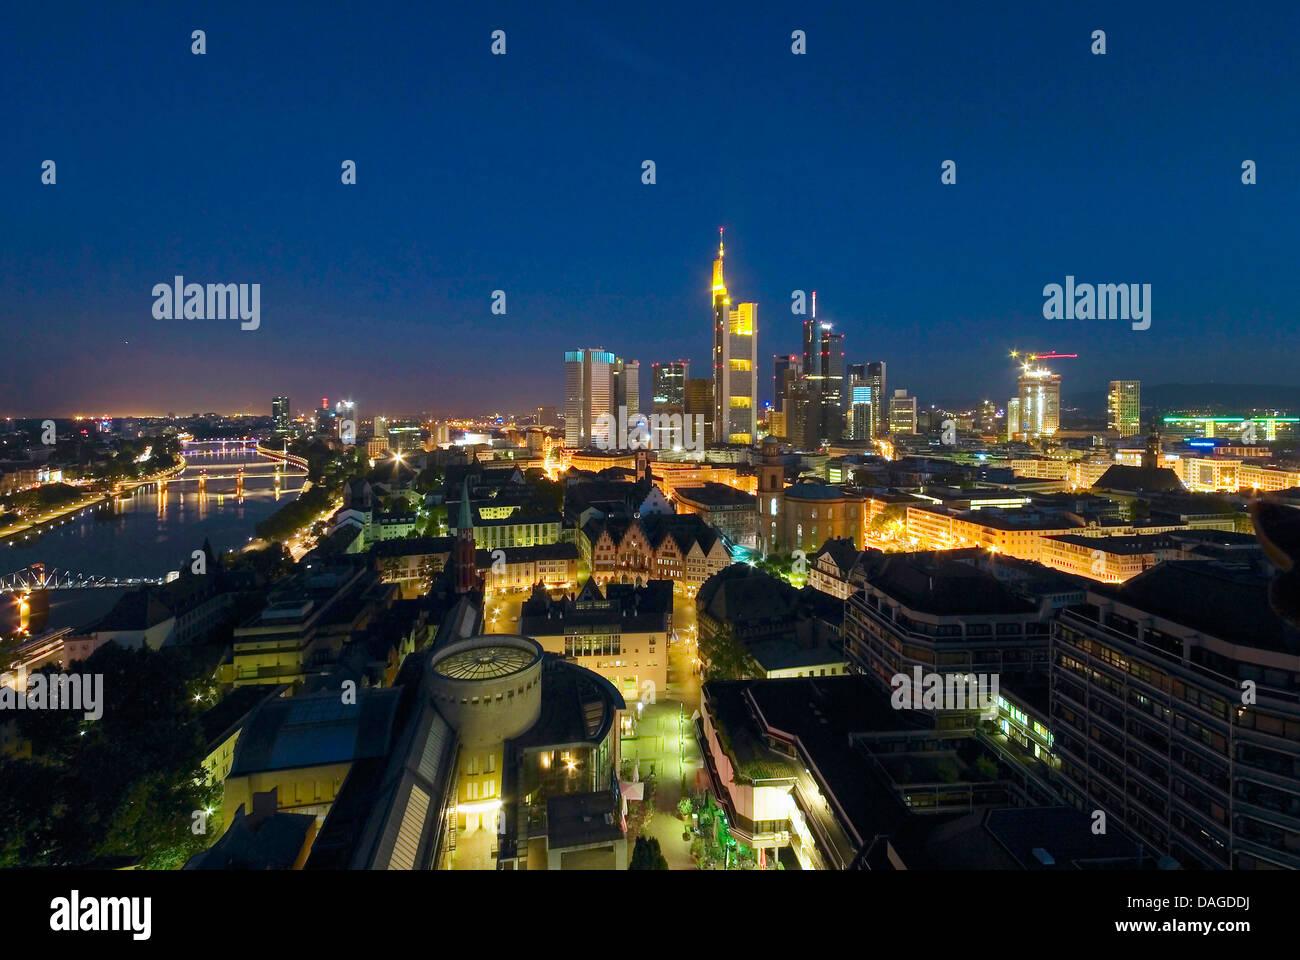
{"x": 280, "y": 414}
{"x": 627, "y": 386}
{"x": 735, "y": 367}
{"x": 669, "y": 385}
{"x": 902, "y": 413}
{"x": 1040, "y": 402}
{"x": 860, "y": 406}
{"x": 1013, "y": 418}
{"x": 588, "y": 393}
{"x": 878, "y": 397}
{"x": 1123, "y": 407}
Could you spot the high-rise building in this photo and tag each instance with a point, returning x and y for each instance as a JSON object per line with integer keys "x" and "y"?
{"x": 803, "y": 414}
{"x": 879, "y": 401}
{"x": 669, "y": 397}
{"x": 670, "y": 385}
{"x": 324, "y": 417}
{"x": 379, "y": 429}
{"x": 699, "y": 401}
{"x": 787, "y": 369}
{"x": 860, "y": 405}
{"x": 988, "y": 417}
{"x": 1013, "y": 418}
{"x": 588, "y": 393}
{"x": 833, "y": 394}
{"x": 902, "y": 413}
{"x": 627, "y": 387}
{"x": 1040, "y": 402}
{"x": 280, "y": 415}
{"x": 735, "y": 366}
{"x": 1123, "y": 407}
{"x": 785, "y": 366}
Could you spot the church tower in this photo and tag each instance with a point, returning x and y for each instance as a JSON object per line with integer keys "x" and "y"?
{"x": 464, "y": 568}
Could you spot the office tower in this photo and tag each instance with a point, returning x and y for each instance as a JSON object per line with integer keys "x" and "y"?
{"x": 588, "y": 393}
{"x": 787, "y": 369}
{"x": 547, "y": 416}
{"x": 699, "y": 401}
{"x": 670, "y": 385}
{"x": 879, "y": 401}
{"x": 860, "y": 405}
{"x": 987, "y": 417}
{"x": 802, "y": 415}
{"x": 324, "y": 417}
{"x": 379, "y": 430}
{"x": 832, "y": 384}
{"x": 1123, "y": 407}
{"x": 626, "y": 389}
{"x": 669, "y": 397}
{"x": 1013, "y": 418}
{"x": 902, "y": 413}
{"x": 783, "y": 366}
{"x": 735, "y": 367}
{"x": 1040, "y": 402}
{"x": 280, "y": 414}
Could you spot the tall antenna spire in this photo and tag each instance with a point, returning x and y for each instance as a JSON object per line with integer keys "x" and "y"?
{"x": 814, "y": 316}
{"x": 719, "y": 287}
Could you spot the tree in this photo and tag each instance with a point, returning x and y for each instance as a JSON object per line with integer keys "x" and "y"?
{"x": 725, "y": 656}
{"x": 127, "y": 783}
{"x": 646, "y": 855}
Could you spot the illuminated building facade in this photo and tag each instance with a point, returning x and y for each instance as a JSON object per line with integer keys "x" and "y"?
{"x": 1123, "y": 407}
{"x": 1040, "y": 403}
{"x": 588, "y": 393}
{"x": 735, "y": 364}
{"x": 902, "y": 413}
{"x": 669, "y": 383}
{"x": 281, "y": 416}
{"x": 1149, "y": 724}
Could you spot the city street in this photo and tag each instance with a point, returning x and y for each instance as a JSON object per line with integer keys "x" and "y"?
{"x": 665, "y": 743}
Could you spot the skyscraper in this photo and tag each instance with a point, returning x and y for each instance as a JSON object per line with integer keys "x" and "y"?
{"x": 878, "y": 396}
{"x": 699, "y": 401}
{"x": 786, "y": 369}
{"x": 782, "y": 364}
{"x": 902, "y": 413}
{"x": 1013, "y": 418}
{"x": 669, "y": 398}
{"x": 280, "y": 415}
{"x": 1123, "y": 407}
{"x": 860, "y": 404}
{"x": 626, "y": 390}
{"x": 1040, "y": 402}
{"x": 735, "y": 367}
{"x": 833, "y": 394}
{"x": 588, "y": 393}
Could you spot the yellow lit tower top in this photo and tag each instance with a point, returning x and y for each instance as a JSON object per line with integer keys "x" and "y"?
{"x": 719, "y": 287}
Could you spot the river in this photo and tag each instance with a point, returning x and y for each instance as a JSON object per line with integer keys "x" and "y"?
{"x": 149, "y": 534}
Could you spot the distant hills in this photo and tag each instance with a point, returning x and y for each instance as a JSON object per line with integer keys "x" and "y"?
{"x": 1225, "y": 397}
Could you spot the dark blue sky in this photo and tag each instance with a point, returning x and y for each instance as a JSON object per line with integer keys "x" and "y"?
{"x": 478, "y": 172}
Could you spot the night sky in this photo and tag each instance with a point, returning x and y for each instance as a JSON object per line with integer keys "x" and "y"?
{"x": 523, "y": 173}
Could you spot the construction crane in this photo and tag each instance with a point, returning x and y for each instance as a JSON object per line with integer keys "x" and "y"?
{"x": 1049, "y": 355}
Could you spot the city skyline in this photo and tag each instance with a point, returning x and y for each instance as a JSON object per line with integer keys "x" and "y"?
{"x": 367, "y": 288}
